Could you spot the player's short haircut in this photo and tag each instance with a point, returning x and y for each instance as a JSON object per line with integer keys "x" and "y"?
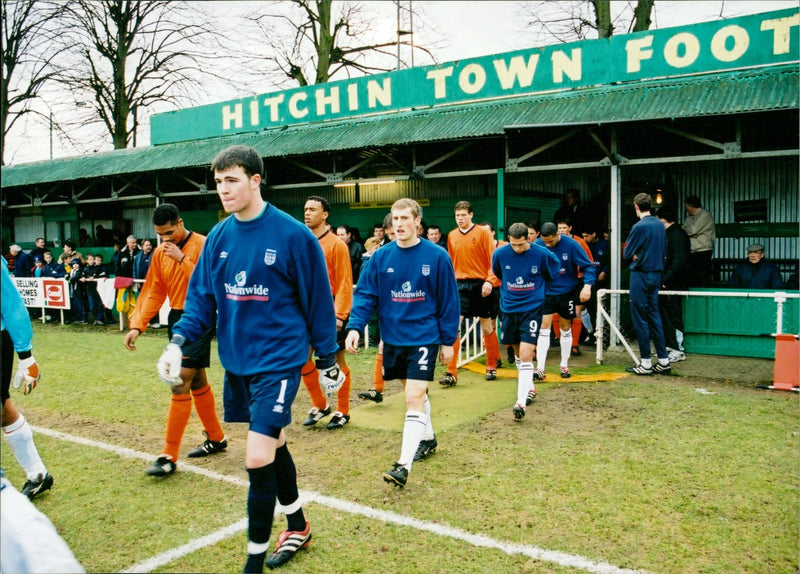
{"x": 434, "y": 226}
{"x": 166, "y": 213}
{"x": 406, "y": 202}
{"x": 387, "y": 221}
{"x": 322, "y": 201}
{"x": 239, "y": 156}
{"x": 463, "y": 205}
{"x": 694, "y": 201}
{"x": 533, "y": 225}
{"x": 518, "y": 231}
{"x": 549, "y": 229}
{"x": 488, "y": 224}
{"x": 564, "y": 219}
{"x": 378, "y": 225}
{"x": 644, "y": 201}
{"x": 668, "y": 214}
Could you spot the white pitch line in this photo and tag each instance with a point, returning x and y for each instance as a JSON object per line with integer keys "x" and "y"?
{"x": 560, "y": 558}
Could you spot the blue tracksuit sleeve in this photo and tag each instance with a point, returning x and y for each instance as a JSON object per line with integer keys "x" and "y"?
{"x": 316, "y": 300}
{"x": 587, "y": 266}
{"x": 448, "y": 301}
{"x": 365, "y": 297}
{"x": 13, "y": 313}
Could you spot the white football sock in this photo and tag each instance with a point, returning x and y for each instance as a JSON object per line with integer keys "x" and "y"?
{"x": 566, "y": 346}
{"x": 20, "y": 439}
{"x": 413, "y": 430}
{"x": 586, "y": 319}
{"x": 524, "y": 382}
{"x": 542, "y": 346}
{"x": 428, "y": 434}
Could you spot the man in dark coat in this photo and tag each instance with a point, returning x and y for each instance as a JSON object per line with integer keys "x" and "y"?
{"x": 674, "y": 278}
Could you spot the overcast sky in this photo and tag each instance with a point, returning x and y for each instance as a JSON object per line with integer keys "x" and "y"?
{"x": 465, "y": 29}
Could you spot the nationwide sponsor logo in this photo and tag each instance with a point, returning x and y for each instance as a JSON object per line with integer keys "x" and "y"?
{"x": 519, "y": 284}
{"x": 407, "y": 294}
{"x": 269, "y": 256}
{"x": 241, "y": 292}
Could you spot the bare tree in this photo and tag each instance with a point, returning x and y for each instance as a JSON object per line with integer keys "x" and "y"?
{"x": 30, "y": 49}
{"x": 571, "y": 21}
{"x": 134, "y": 54}
{"x": 313, "y": 41}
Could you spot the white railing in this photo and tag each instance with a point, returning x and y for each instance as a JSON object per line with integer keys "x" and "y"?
{"x": 779, "y": 297}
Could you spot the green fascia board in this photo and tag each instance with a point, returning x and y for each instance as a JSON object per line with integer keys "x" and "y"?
{"x": 752, "y": 90}
{"x": 789, "y": 229}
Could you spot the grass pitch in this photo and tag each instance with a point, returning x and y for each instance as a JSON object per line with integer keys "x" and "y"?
{"x": 644, "y": 474}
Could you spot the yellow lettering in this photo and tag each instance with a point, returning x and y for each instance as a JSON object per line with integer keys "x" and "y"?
{"x": 781, "y": 32}
{"x": 229, "y": 116}
{"x": 472, "y": 78}
{"x": 439, "y": 85}
{"x": 323, "y": 100}
{"x": 379, "y": 94}
{"x": 691, "y": 49}
{"x": 352, "y": 97}
{"x": 294, "y": 105}
{"x": 254, "y": 112}
{"x": 517, "y": 70}
{"x": 569, "y": 65}
{"x": 741, "y": 40}
{"x": 638, "y": 50}
{"x": 272, "y": 104}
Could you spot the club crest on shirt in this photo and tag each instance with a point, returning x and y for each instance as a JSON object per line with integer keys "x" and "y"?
{"x": 269, "y": 256}
{"x": 241, "y": 278}
{"x": 534, "y": 269}
{"x": 565, "y": 256}
{"x": 426, "y": 270}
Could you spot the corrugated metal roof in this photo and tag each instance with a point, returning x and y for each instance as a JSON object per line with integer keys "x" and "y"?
{"x": 770, "y": 88}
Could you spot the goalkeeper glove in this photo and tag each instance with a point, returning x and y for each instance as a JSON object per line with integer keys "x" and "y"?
{"x": 27, "y": 373}
{"x": 169, "y": 365}
{"x": 330, "y": 377}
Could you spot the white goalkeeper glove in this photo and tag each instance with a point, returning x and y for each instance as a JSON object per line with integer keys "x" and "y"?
{"x": 331, "y": 378}
{"x": 169, "y": 365}
{"x": 27, "y": 373}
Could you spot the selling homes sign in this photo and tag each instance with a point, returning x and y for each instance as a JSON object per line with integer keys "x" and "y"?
{"x": 749, "y": 41}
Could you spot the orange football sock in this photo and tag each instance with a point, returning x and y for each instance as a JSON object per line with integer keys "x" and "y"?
{"x": 206, "y": 409}
{"x": 180, "y": 409}
{"x": 343, "y": 395}
{"x": 452, "y": 365}
{"x": 576, "y": 331}
{"x": 311, "y": 381}
{"x": 492, "y": 350}
{"x": 377, "y": 374}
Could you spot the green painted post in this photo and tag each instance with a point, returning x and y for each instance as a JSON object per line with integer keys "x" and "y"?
{"x": 501, "y": 224}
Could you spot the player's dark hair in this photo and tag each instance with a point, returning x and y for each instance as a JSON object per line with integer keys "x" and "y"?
{"x": 518, "y": 231}
{"x": 166, "y": 213}
{"x": 239, "y": 156}
{"x": 533, "y": 225}
{"x": 694, "y": 201}
{"x": 668, "y": 214}
{"x": 644, "y": 201}
{"x": 549, "y": 229}
{"x": 322, "y": 201}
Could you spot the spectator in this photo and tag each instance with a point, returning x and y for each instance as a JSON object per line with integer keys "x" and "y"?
{"x": 17, "y": 336}
{"x": 38, "y": 266}
{"x": 23, "y": 263}
{"x": 533, "y": 230}
{"x": 94, "y": 271}
{"x": 571, "y": 209}
{"x": 142, "y": 262}
{"x": 379, "y": 233}
{"x": 434, "y": 235}
{"x": 646, "y": 248}
{"x": 674, "y": 278}
{"x": 86, "y": 240}
{"x": 39, "y": 248}
{"x": 370, "y": 245}
{"x": 126, "y": 294}
{"x": 756, "y": 273}
{"x": 127, "y": 256}
{"x": 388, "y": 227}
{"x": 78, "y": 292}
{"x": 10, "y": 260}
{"x": 105, "y": 237}
{"x": 699, "y": 226}
{"x": 52, "y": 269}
{"x": 68, "y": 254}
{"x": 345, "y": 233}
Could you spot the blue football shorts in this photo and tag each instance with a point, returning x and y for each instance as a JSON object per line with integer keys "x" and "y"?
{"x": 413, "y": 362}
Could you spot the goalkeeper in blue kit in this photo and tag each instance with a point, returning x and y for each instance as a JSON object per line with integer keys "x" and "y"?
{"x": 412, "y": 285}
{"x": 262, "y": 276}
